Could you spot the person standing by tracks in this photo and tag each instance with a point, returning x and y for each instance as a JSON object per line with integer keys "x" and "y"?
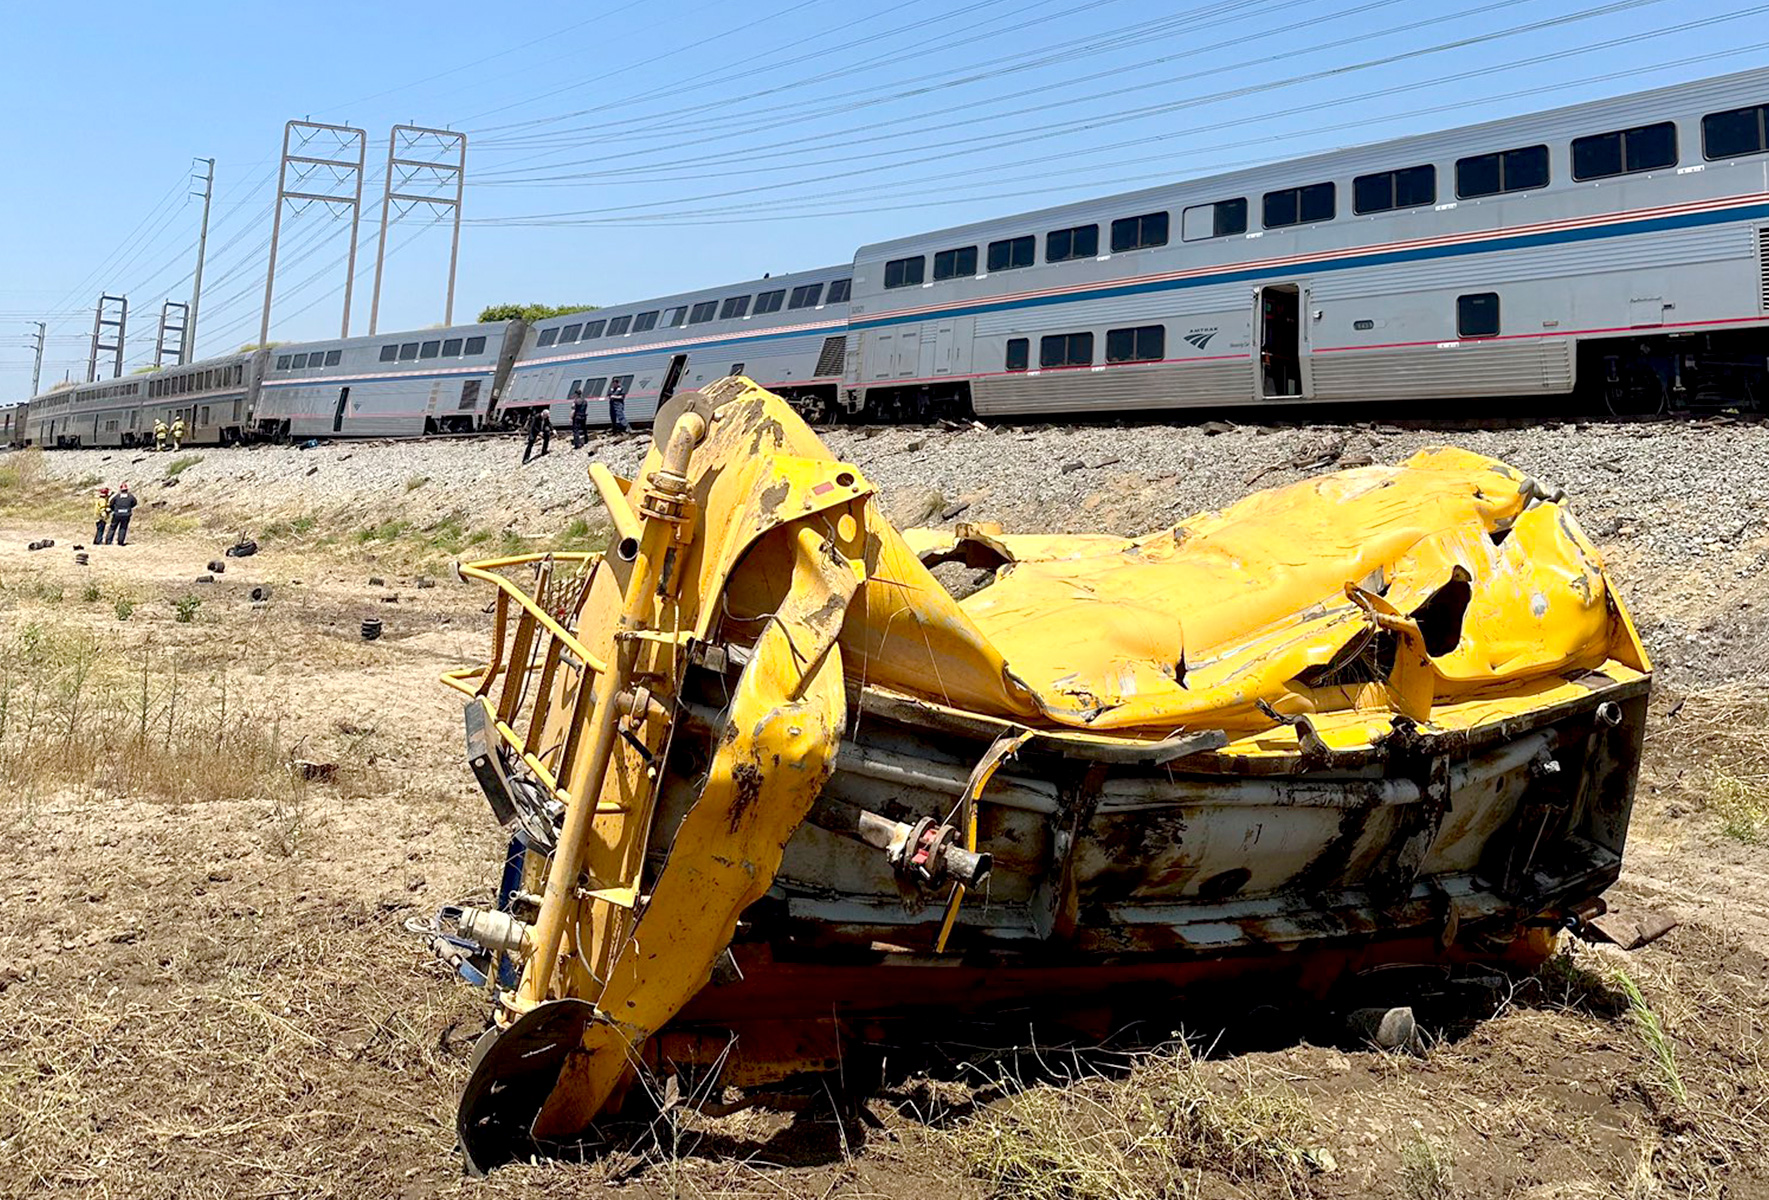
{"x": 540, "y": 425}
{"x": 122, "y": 507}
{"x": 101, "y": 510}
{"x": 617, "y": 406}
{"x": 580, "y": 419}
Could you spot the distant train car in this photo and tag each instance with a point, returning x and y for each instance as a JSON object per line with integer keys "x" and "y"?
{"x": 444, "y": 380}
{"x": 13, "y": 421}
{"x": 1622, "y": 245}
{"x": 215, "y": 397}
{"x": 788, "y": 332}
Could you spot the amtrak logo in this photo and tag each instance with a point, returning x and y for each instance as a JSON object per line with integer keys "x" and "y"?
{"x": 1200, "y": 337}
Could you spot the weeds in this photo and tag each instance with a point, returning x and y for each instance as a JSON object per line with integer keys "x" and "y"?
{"x": 90, "y": 593}
{"x": 1741, "y": 805}
{"x": 184, "y": 608}
{"x": 1141, "y": 1134}
{"x": 1658, "y": 1042}
{"x": 179, "y": 466}
{"x": 1426, "y": 1168}
{"x": 125, "y": 607}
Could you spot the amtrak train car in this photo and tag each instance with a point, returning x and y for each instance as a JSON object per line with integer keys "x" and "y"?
{"x": 1621, "y": 244}
{"x": 787, "y": 332}
{"x": 444, "y": 380}
{"x": 12, "y": 424}
{"x": 215, "y": 397}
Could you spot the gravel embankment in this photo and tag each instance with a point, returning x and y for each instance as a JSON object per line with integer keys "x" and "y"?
{"x": 1675, "y": 506}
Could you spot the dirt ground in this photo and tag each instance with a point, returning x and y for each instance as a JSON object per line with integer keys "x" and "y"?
{"x": 207, "y": 988}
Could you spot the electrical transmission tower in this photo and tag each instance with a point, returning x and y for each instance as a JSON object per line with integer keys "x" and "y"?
{"x": 178, "y": 352}
{"x": 327, "y": 162}
{"x": 423, "y": 167}
{"x": 42, "y": 335}
{"x": 99, "y": 323}
{"x": 188, "y": 345}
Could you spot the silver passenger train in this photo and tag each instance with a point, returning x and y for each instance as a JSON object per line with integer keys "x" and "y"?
{"x": 1616, "y": 250}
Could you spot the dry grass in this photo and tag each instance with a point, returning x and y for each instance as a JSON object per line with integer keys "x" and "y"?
{"x": 1724, "y": 732}
{"x": 1140, "y": 1135}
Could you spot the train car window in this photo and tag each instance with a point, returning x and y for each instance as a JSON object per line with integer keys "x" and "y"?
{"x": 547, "y": 337}
{"x": 1017, "y": 354}
{"x": 593, "y": 387}
{"x": 408, "y": 351}
{"x": 572, "y": 391}
{"x": 1730, "y": 134}
{"x": 618, "y": 325}
{"x": 1081, "y": 241}
{"x": 1477, "y": 315}
{"x": 1139, "y": 233}
{"x": 1010, "y": 254}
{"x": 676, "y": 317}
{"x": 298, "y": 362}
{"x": 431, "y": 349}
{"x": 1625, "y": 152}
{"x": 904, "y": 272}
{"x": 703, "y": 312}
{"x": 643, "y": 323}
{"x": 451, "y": 348}
{"x": 475, "y": 345}
{"x": 1300, "y": 206}
{"x": 1146, "y": 343}
{"x": 840, "y": 290}
{"x": 769, "y": 302}
{"x": 620, "y": 384}
{"x": 1066, "y": 350}
{"x": 734, "y": 307}
{"x": 806, "y": 295}
{"x": 950, "y": 264}
{"x": 334, "y": 357}
{"x": 1413, "y": 187}
{"x": 593, "y": 329}
{"x": 1225, "y": 218}
{"x": 389, "y": 353}
{"x": 569, "y": 334}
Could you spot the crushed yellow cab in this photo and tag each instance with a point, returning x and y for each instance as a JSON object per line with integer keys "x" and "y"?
{"x": 771, "y": 786}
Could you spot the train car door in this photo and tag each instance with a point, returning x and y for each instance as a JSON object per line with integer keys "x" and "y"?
{"x": 672, "y": 377}
{"x": 338, "y": 414}
{"x": 1278, "y": 317}
{"x": 937, "y": 354}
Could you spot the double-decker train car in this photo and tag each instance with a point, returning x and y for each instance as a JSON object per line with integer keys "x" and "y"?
{"x": 1621, "y": 245}
{"x": 13, "y": 418}
{"x": 215, "y": 397}
{"x": 444, "y": 380}
{"x": 787, "y": 331}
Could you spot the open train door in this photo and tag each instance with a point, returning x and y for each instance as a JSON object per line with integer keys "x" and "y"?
{"x": 671, "y": 378}
{"x": 1281, "y": 368}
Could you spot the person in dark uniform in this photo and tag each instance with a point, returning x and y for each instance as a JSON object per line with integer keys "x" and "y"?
{"x": 580, "y": 419}
{"x": 540, "y": 425}
{"x": 122, "y": 507}
{"x": 617, "y": 406}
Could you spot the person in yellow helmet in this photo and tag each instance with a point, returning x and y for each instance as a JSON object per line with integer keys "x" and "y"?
{"x": 178, "y": 432}
{"x": 101, "y": 510}
{"x": 159, "y": 433}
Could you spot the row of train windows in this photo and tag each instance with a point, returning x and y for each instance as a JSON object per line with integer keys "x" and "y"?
{"x": 197, "y": 381}
{"x": 109, "y": 393}
{"x": 316, "y": 360}
{"x": 589, "y": 389}
{"x": 1599, "y": 156}
{"x": 1145, "y": 343}
{"x": 471, "y": 347}
{"x": 807, "y": 295}
{"x": 1477, "y": 316}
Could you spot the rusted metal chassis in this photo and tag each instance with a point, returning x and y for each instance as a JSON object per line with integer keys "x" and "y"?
{"x": 1114, "y": 879}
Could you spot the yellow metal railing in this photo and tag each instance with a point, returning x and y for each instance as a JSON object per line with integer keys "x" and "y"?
{"x": 532, "y": 649}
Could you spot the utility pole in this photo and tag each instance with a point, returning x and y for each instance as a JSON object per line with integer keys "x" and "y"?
{"x": 179, "y": 353}
{"x": 37, "y": 370}
{"x": 311, "y": 167}
{"x": 99, "y": 322}
{"x": 426, "y": 162}
{"x": 189, "y": 346}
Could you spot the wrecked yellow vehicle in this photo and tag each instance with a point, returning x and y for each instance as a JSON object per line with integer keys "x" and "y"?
{"x": 770, "y": 784}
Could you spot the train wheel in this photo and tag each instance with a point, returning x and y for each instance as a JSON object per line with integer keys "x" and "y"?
{"x": 1639, "y": 393}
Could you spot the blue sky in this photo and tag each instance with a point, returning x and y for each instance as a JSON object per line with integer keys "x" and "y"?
{"x": 634, "y": 147}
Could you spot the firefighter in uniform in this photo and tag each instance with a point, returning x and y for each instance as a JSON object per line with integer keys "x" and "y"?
{"x": 101, "y": 511}
{"x": 159, "y": 433}
{"x": 178, "y": 432}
